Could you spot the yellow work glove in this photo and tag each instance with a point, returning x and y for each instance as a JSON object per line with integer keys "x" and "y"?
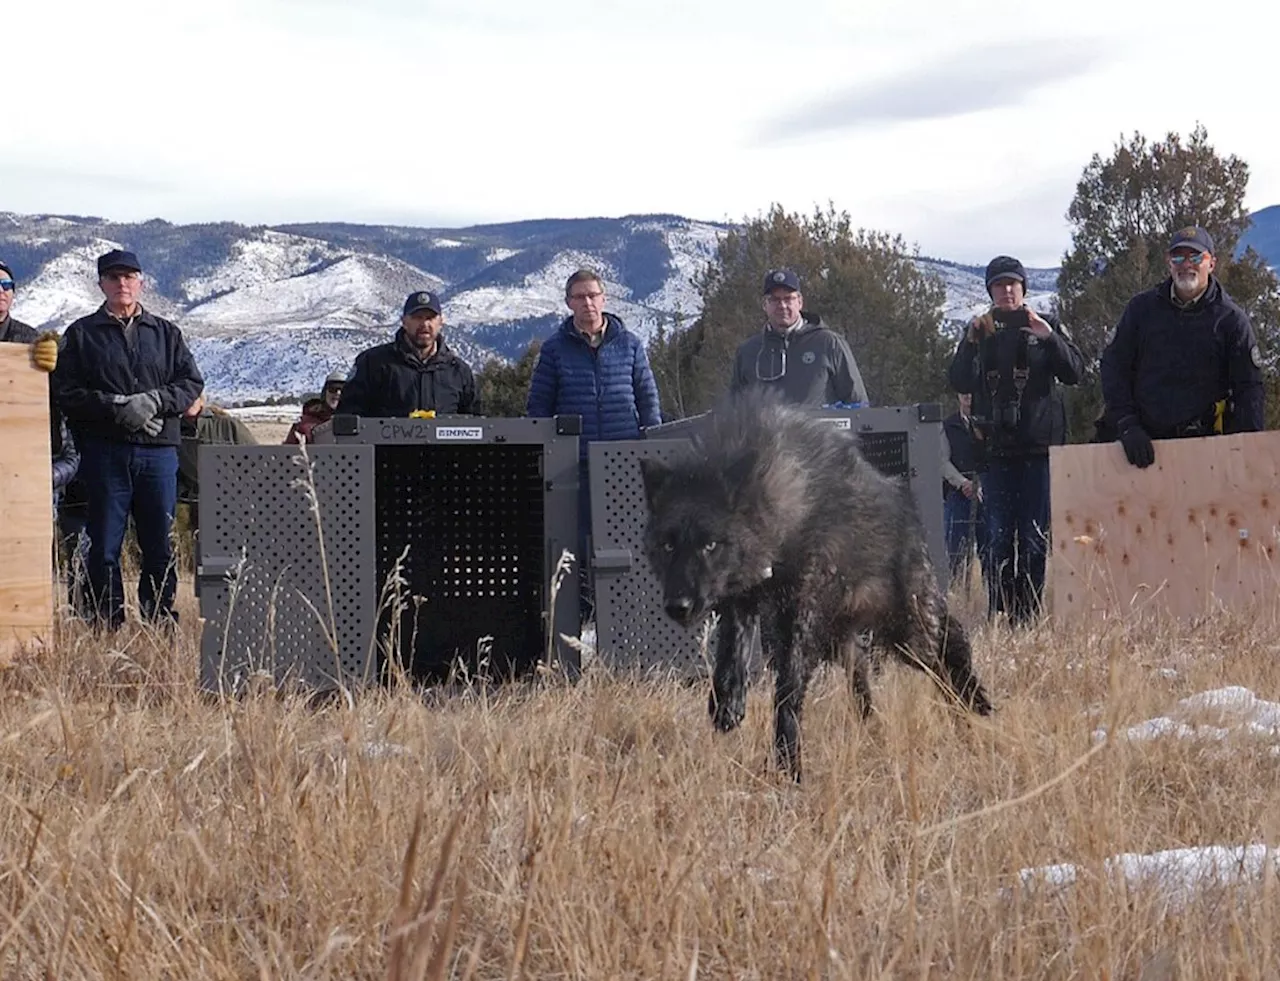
{"x": 422, "y": 414}
{"x": 44, "y": 351}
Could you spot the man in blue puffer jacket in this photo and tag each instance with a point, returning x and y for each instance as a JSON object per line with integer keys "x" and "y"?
{"x": 595, "y": 368}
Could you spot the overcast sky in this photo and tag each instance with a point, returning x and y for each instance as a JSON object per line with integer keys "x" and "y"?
{"x": 962, "y": 125}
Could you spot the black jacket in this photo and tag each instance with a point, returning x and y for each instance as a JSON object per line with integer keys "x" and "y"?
{"x": 16, "y": 332}
{"x": 66, "y": 458}
{"x": 1018, "y": 423}
{"x": 390, "y": 381}
{"x": 97, "y": 362}
{"x": 1168, "y": 365}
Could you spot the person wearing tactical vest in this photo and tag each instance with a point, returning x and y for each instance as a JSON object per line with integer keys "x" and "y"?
{"x": 1012, "y": 360}
{"x": 963, "y": 518}
{"x": 1182, "y": 360}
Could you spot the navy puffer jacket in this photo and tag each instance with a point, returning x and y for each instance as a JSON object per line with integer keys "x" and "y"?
{"x": 612, "y": 387}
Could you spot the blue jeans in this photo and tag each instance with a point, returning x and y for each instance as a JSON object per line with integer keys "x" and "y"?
{"x": 1016, "y": 497}
{"x": 123, "y": 479}
{"x": 965, "y": 524}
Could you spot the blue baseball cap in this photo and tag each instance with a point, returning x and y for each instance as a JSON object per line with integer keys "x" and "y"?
{"x": 118, "y": 259}
{"x": 422, "y": 300}
{"x": 784, "y": 278}
{"x": 1192, "y": 237}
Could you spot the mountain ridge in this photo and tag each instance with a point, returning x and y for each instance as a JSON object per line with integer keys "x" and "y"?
{"x": 270, "y": 310}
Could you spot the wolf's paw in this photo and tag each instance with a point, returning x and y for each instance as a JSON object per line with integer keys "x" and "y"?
{"x": 727, "y": 712}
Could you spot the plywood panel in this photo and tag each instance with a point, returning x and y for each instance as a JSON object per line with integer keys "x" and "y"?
{"x": 26, "y": 506}
{"x": 1197, "y": 531}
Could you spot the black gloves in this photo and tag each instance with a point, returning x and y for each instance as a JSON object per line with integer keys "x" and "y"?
{"x": 1137, "y": 444}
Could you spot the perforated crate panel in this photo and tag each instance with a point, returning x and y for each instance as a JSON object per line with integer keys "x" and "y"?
{"x": 262, "y": 574}
{"x": 632, "y": 631}
{"x": 472, "y": 520}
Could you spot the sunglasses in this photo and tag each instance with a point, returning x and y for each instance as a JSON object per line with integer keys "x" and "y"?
{"x": 6, "y": 285}
{"x": 1195, "y": 260}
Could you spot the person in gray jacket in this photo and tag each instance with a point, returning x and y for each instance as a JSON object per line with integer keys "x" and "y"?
{"x": 808, "y": 362}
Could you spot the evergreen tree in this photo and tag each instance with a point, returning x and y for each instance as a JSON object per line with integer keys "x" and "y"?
{"x": 1124, "y": 212}
{"x": 864, "y": 284}
{"x": 504, "y": 387}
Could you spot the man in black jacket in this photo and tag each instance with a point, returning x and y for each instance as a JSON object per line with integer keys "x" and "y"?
{"x": 124, "y": 378}
{"x": 44, "y": 355}
{"x": 1011, "y": 360}
{"x": 1183, "y": 360}
{"x": 414, "y": 371}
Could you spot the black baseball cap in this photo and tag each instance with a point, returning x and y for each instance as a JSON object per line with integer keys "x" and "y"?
{"x": 1005, "y": 267}
{"x": 785, "y": 278}
{"x": 7, "y": 271}
{"x": 422, "y": 300}
{"x": 1192, "y": 237}
{"x": 118, "y": 259}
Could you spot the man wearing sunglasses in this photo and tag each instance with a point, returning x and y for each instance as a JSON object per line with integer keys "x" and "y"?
{"x": 795, "y": 353}
{"x": 44, "y": 355}
{"x": 44, "y": 347}
{"x": 124, "y": 379}
{"x": 1183, "y": 360}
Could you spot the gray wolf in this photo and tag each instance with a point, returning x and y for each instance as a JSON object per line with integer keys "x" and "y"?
{"x": 775, "y": 516}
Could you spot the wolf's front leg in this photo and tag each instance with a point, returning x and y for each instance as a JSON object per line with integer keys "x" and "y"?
{"x": 793, "y": 665}
{"x": 728, "y": 702}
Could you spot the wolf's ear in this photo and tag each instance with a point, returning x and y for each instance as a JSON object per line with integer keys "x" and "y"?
{"x": 655, "y": 474}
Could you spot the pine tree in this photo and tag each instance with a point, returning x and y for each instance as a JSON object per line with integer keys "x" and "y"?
{"x": 504, "y": 387}
{"x": 864, "y": 284}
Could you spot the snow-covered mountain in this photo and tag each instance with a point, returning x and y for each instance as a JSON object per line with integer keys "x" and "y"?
{"x": 269, "y": 312}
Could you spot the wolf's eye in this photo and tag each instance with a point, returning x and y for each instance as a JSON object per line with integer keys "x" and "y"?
{"x": 709, "y": 547}
{"x": 668, "y": 547}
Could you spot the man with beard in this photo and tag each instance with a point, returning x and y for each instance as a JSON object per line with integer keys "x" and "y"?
{"x": 414, "y": 371}
{"x": 1183, "y": 359}
{"x": 810, "y": 364}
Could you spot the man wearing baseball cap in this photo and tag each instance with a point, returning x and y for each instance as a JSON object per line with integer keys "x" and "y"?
{"x": 44, "y": 356}
{"x": 1183, "y": 359}
{"x": 795, "y": 352}
{"x": 124, "y": 379}
{"x": 44, "y": 347}
{"x": 415, "y": 370}
{"x": 317, "y": 411}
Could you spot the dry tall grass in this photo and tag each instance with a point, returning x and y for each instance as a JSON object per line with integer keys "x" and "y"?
{"x": 604, "y": 831}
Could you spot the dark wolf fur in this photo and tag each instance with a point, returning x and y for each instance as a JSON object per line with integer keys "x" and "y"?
{"x": 777, "y": 515}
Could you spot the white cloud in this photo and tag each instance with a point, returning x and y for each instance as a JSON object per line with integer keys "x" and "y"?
{"x": 459, "y": 111}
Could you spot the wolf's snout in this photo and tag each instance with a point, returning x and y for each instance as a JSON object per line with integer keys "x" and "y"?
{"x": 680, "y": 609}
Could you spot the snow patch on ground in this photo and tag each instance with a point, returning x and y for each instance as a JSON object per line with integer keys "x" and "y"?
{"x": 1214, "y": 715}
{"x": 1179, "y": 874}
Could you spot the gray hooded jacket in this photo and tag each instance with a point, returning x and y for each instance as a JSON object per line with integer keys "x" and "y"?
{"x": 810, "y": 364}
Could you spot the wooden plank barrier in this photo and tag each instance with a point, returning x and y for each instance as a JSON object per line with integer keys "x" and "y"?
{"x": 1199, "y": 530}
{"x": 26, "y": 504}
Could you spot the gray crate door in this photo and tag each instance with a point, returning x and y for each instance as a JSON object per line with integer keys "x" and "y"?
{"x": 266, "y": 584}
{"x": 632, "y": 631}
